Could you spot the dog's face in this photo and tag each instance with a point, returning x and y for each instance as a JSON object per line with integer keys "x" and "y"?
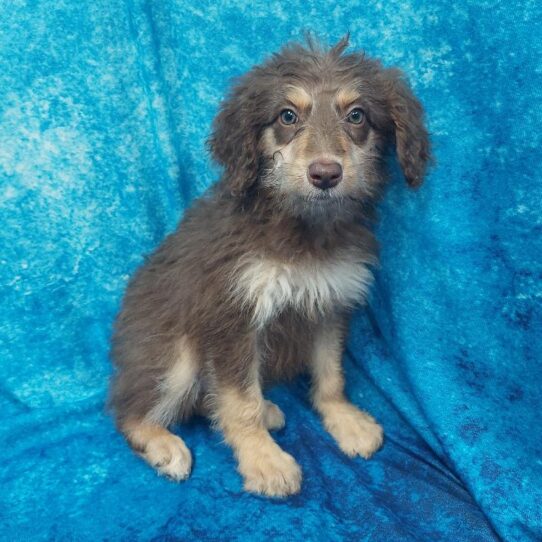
{"x": 321, "y": 149}
{"x": 311, "y": 128}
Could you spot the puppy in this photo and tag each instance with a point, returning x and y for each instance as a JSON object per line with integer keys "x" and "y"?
{"x": 259, "y": 279}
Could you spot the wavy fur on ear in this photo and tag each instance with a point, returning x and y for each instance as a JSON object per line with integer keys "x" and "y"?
{"x": 411, "y": 136}
{"x": 236, "y": 132}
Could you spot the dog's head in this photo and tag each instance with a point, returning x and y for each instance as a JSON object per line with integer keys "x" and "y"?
{"x": 312, "y": 127}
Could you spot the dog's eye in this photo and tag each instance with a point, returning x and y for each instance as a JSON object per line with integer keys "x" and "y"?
{"x": 356, "y": 116}
{"x": 287, "y": 116}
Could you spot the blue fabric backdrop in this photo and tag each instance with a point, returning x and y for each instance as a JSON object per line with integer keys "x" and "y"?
{"x": 104, "y": 110}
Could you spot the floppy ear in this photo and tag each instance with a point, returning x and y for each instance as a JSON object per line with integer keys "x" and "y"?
{"x": 411, "y": 137}
{"x": 235, "y": 135}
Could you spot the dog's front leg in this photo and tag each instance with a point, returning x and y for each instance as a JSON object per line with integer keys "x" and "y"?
{"x": 355, "y": 431}
{"x": 241, "y": 412}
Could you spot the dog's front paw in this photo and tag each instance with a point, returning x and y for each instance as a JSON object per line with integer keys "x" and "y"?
{"x": 356, "y": 432}
{"x": 271, "y": 472}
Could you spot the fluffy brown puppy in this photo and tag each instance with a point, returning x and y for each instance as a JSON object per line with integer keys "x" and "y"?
{"x": 258, "y": 281}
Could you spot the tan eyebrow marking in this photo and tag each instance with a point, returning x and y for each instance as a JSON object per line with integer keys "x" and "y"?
{"x": 299, "y": 97}
{"x": 346, "y": 96}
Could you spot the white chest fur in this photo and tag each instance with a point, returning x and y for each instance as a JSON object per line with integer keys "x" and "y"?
{"x": 313, "y": 287}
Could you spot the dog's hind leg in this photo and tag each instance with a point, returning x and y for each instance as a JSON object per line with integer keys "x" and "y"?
{"x": 163, "y": 450}
{"x": 177, "y": 392}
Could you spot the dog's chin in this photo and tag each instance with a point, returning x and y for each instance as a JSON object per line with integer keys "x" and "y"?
{"x": 318, "y": 205}
{"x": 326, "y": 197}
{"x": 312, "y": 204}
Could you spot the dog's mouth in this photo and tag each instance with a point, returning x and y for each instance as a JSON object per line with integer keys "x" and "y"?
{"x": 321, "y": 205}
{"x": 324, "y": 197}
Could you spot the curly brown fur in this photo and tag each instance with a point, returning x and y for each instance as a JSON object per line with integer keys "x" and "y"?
{"x": 257, "y": 282}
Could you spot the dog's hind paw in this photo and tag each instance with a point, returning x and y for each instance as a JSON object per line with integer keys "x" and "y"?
{"x": 163, "y": 450}
{"x": 169, "y": 455}
{"x": 273, "y": 416}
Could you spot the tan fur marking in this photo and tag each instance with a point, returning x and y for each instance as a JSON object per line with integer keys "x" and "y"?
{"x": 299, "y": 97}
{"x": 328, "y": 379}
{"x": 268, "y": 142}
{"x": 163, "y": 450}
{"x": 355, "y": 431}
{"x": 265, "y": 467}
{"x": 273, "y": 416}
{"x": 346, "y": 96}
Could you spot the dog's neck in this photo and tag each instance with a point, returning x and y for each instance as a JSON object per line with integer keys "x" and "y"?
{"x": 297, "y": 230}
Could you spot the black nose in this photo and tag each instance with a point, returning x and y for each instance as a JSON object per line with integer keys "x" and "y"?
{"x": 325, "y": 175}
